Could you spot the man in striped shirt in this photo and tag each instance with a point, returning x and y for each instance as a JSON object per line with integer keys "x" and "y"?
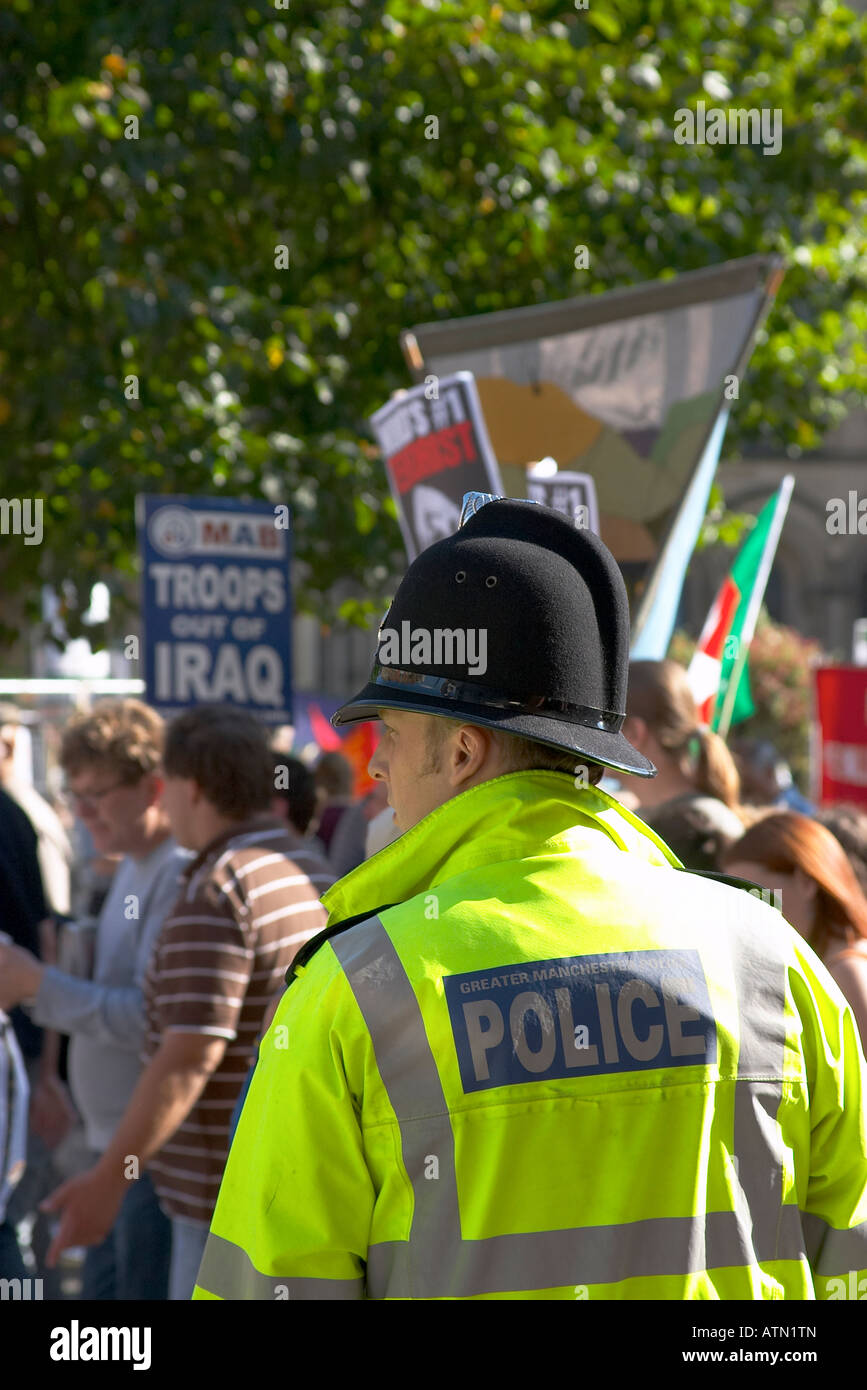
{"x": 248, "y": 901}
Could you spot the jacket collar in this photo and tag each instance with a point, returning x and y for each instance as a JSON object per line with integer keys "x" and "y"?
{"x": 518, "y": 815}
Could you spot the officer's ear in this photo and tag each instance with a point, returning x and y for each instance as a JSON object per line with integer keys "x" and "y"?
{"x": 468, "y": 752}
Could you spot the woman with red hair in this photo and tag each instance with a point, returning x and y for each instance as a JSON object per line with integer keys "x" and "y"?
{"x": 821, "y": 896}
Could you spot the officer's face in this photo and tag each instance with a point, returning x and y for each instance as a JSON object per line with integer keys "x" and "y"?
{"x": 416, "y": 779}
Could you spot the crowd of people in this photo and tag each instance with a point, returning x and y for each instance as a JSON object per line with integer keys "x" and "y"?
{"x": 739, "y": 813}
{"x": 137, "y": 982}
{"x": 139, "y": 1019}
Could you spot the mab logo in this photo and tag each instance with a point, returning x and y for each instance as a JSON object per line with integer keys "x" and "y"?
{"x": 176, "y": 531}
{"x": 581, "y": 1015}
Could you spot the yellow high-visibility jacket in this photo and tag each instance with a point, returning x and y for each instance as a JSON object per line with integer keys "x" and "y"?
{"x": 557, "y": 1066}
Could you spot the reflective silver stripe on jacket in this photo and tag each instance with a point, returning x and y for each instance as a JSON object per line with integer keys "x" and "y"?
{"x": 759, "y": 1147}
{"x": 436, "y": 1262}
{"x": 227, "y": 1271}
{"x": 833, "y": 1252}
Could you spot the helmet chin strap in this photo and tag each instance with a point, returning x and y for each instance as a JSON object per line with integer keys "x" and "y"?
{"x": 471, "y": 693}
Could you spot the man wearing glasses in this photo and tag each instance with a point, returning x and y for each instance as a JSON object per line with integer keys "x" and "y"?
{"x": 111, "y": 758}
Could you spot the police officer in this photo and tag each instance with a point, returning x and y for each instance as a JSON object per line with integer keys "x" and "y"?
{"x": 528, "y": 982}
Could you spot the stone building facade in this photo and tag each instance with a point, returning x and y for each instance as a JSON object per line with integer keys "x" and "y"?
{"x": 819, "y": 582}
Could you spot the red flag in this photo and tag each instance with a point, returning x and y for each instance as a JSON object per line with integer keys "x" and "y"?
{"x": 359, "y": 747}
{"x": 326, "y": 736}
{"x": 718, "y": 673}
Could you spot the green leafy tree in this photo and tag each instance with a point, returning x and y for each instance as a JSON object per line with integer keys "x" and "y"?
{"x": 216, "y": 218}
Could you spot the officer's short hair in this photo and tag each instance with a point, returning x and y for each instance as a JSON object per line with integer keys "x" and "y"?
{"x": 522, "y": 754}
{"x": 225, "y": 751}
{"x": 526, "y": 755}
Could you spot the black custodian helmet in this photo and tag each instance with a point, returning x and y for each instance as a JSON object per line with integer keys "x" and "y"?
{"x": 518, "y": 622}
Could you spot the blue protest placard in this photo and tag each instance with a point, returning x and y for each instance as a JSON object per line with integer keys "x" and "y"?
{"x": 216, "y": 604}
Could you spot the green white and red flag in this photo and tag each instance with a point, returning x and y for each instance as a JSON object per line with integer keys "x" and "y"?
{"x": 719, "y": 670}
